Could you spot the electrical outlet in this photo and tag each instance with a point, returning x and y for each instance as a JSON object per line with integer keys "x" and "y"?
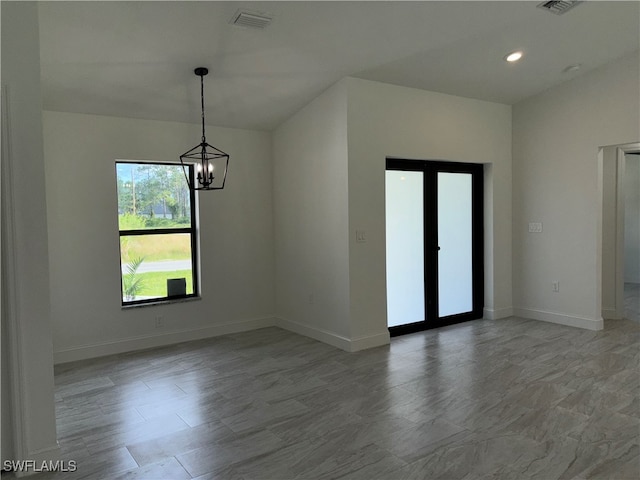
{"x": 555, "y": 286}
{"x": 535, "y": 227}
{"x": 159, "y": 321}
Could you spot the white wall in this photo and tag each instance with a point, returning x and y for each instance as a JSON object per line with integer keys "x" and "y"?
{"x": 391, "y": 121}
{"x": 556, "y": 139}
{"x": 311, "y": 223}
{"x": 236, "y": 235}
{"x": 6, "y": 389}
{"x": 329, "y": 169}
{"x": 632, "y": 219}
{"x": 25, "y": 258}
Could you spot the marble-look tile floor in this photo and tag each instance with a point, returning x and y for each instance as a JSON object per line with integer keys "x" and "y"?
{"x": 632, "y": 301}
{"x": 507, "y": 399}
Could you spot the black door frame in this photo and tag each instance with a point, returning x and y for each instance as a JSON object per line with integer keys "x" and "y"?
{"x": 430, "y": 171}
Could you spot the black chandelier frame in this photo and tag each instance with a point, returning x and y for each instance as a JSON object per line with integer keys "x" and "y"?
{"x": 210, "y": 162}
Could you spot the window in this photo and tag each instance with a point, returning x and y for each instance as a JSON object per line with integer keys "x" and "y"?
{"x": 157, "y": 225}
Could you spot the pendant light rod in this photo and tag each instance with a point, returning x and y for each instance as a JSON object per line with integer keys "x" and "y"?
{"x": 201, "y": 72}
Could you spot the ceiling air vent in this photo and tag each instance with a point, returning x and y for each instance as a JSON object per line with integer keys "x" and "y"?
{"x": 559, "y": 6}
{"x": 245, "y": 18}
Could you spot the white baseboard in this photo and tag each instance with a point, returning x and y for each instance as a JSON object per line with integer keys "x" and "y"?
{"x": 560, "y": 318}
{"x": 102, "y": 349}
{"x": 324, "y": 336}
{"x": 84, "y": 352}
{"x": 370, "y": 341}
{"x": 497, "y": 313}
{"x": 334, "y": 339}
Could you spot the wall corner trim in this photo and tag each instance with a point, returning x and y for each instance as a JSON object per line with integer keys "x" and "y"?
{"x": 9, "y": 286}
{"x": 560, "y": 318}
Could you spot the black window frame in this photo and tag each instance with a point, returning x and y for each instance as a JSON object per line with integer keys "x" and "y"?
{"x": 192, "y": 230}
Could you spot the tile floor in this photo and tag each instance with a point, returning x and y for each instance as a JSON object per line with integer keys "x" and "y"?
{"x": 507, "y": 399}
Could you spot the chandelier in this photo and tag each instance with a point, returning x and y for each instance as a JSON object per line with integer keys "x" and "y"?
{"x": 210, "y": 163}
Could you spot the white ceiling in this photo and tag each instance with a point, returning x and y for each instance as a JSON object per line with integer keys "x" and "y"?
{"x": 136, "y": 59}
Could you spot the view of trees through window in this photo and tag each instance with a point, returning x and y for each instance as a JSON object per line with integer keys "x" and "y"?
{"x": 157, "y": 232}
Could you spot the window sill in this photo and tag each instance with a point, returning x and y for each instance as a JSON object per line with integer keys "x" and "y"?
{"x": 164, "y": 301}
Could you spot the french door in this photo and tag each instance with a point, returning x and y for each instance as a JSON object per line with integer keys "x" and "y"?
{"x": 434, "y": 232}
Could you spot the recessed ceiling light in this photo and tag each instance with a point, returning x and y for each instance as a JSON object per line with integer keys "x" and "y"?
{"x": 513, "y": 56}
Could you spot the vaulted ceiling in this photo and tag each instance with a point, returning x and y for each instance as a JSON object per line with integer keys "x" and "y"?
{"x": 136, "y": 59}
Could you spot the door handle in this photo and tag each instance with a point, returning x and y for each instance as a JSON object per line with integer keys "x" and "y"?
{"x": 438, "y": 247}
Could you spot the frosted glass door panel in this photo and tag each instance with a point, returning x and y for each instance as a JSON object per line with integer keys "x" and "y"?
{"x": 405, "y": 247}
{"x": 455, "y": 280}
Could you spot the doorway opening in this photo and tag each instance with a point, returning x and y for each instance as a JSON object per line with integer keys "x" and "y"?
{"x": 621, "y": 232}
{"x": 435, "y": 252}
{"x": 631, "y": 279}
